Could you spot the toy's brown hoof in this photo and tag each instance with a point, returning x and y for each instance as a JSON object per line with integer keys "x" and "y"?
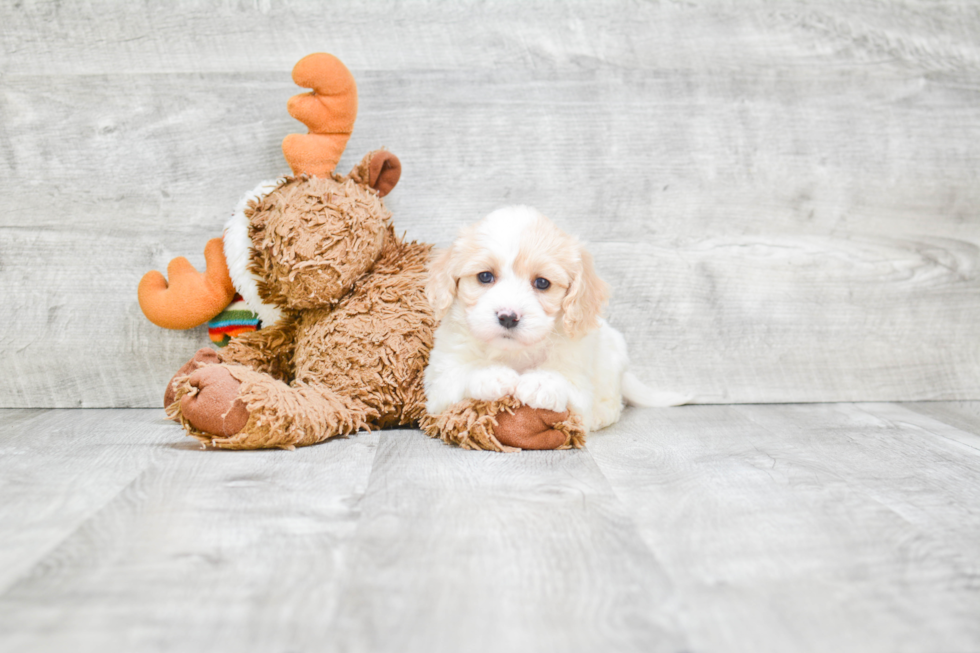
{"x": 530, "y": 428}
{"x": 203, "y": 356}
{"x": 215, "y": 408}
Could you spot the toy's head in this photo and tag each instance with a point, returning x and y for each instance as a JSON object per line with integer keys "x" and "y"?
{"x": 305, "y": 242}
{"x": 298, "y": 242}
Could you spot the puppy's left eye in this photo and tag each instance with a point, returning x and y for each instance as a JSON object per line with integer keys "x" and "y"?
{"x": 541, "y": 283}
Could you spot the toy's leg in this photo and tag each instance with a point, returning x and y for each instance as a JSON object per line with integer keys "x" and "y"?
{"x": 275, "y": 414}
{"x": 207, "y": 401}
{"x": 504, "y": 425}
{"x": 538, "y": 428}
{"x": 203, "y": 357}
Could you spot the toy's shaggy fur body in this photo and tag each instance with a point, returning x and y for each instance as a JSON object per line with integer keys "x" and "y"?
{"x": 351, "y": 347}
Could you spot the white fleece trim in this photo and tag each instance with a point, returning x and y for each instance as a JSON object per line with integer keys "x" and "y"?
{"x": 238, "y": 254}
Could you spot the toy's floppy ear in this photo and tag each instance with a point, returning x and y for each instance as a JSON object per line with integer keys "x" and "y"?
{"x": 380, "y": 170}
{"x": 328, "y": 111}
{"x": 384, "y": 172}
{"x": 586, "y": 295}
{"x": 191, "y": 298}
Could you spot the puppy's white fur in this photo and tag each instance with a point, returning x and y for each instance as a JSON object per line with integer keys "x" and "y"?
{"x": 560, "y": 353}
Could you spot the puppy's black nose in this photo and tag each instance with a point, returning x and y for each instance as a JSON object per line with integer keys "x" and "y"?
{"x": 507, "y": 319}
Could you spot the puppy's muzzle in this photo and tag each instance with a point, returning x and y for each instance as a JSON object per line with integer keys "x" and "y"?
{"x": 508, "y": 319}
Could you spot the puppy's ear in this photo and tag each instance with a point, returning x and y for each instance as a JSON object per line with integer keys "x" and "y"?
{"x": 586, "y": 295}
{"x": 440, "y": 288}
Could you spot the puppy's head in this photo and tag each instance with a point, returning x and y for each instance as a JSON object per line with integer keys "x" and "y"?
{"x": 517, "y": 277}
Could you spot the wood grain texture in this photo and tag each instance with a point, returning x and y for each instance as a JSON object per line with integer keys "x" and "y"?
{"x": 58, "y": 469}
{"x": 149, "y": 543}
{"x": 790, "y": 528}
{"x": 806, "y": 528}
{"x": 783, "y": 196}
{"x": 963, "y": 415}
{"x": 477, "y": 551}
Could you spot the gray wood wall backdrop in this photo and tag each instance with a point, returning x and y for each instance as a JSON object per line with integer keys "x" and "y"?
{"x": 784, "y": 195}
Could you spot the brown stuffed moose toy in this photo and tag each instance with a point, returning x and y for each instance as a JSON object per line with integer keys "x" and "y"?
{"x": 347, "y": 328}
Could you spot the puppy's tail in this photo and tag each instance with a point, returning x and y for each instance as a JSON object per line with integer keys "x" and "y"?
{"x": 637, "y": 393}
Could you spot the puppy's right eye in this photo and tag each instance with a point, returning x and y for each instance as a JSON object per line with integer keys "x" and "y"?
{"x": 485, "y": 277}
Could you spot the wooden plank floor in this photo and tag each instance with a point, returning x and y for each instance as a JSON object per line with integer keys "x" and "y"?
{"x": 821, "y": 527}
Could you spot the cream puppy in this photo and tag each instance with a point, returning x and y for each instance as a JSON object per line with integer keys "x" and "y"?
{"x": 519, "y": 303}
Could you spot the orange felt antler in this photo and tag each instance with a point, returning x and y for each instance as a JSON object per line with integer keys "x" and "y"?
{"x": 191, "y": 298}
{"x": 328, "y": 111}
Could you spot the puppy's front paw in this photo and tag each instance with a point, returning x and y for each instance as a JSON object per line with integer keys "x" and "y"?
{"x": 493, "y": 383}
{"x": 546, "y": 390}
